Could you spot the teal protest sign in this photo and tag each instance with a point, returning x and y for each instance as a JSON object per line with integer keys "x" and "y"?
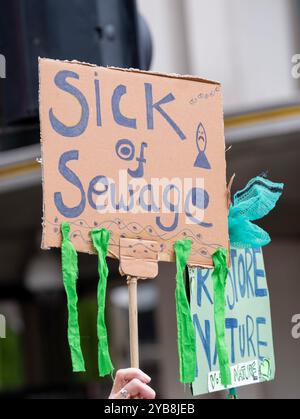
{"x": 247, "y": 323}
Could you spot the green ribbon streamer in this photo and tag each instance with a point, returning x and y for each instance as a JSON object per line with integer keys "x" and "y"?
{"x": 186, "y": 339}
{"x": 100, "y": 240}
{"x": 219, "y": 277}
{"x": 70, "y": 275}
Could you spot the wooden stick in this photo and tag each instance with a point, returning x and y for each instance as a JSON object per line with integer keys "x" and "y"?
{"x": 133, "y": 321}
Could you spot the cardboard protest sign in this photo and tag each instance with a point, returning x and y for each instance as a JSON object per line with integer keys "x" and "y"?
{"x": 247, "y": 324}
{"x": 139, "y": 153}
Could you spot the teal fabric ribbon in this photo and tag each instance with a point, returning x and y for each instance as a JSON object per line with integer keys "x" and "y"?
{"x": 232, "y": 394}
{"x": 219, "y": 277}
{"x": 253, "y": 202}
{"x": 70, "y": 276}
{"x": 100, "y": 240}
{"x": 186, "y": 339}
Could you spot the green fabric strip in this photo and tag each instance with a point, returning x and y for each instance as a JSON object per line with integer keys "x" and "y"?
{"x": 219, "y": 277}
{"x": 186, "y": 340}
{"x": 100, "y": 240}
{"x": 70, "y": 275}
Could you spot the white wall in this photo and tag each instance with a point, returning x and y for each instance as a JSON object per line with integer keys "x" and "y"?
{"x": 167, "y": 25}
{"x": 247, "y": 45}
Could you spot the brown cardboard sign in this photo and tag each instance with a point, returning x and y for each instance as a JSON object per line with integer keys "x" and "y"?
{"x": 139, "y": 258}
{"x": 141, "y": 154}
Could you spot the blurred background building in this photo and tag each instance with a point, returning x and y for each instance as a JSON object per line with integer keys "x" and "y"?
{"x": 251, "y": 47}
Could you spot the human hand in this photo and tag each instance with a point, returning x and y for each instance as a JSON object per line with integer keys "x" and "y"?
{"x": 131, "y": 383}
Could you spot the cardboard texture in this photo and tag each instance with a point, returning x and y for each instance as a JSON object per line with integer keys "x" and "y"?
{"x": 248, "y": 324}
{"x": 139, "y": 258}
{"x": 106, "y": 130}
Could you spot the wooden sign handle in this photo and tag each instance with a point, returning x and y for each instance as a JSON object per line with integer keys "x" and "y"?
{"x": 133, "y": 321}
